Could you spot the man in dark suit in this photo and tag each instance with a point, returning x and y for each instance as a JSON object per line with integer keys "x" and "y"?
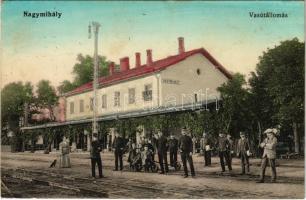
{"x": 223, "y": 147}
{"x": 243, "y": 147}
{"x": 173, "y": 146}
{"x": 162, "y": 147}
{"x": 206, "y": 149}
{"x": 154, "y": 143}
{"x": 230, "y": 149}
{"x": 118, "y": 146}
{"x": 95, "y": 156}
{"x": 186, "y": 147}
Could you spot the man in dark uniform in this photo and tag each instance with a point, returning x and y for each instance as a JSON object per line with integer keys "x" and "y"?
{"x": 223, "y": 146}
{"x": 173, "y": 146}
{"x": 205, "y": 148}
{"x": 230, "y": 149}
{"x": 162, "y": 147}
{"x": 185, "y": 145}
{"x": 242, "y": 151}
{"x": 95, "y": 156}
{"x": 154, "y": 143}
{"x": 118, "y": 146}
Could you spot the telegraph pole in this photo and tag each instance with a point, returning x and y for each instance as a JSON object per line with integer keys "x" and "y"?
{"x": 95, "y": 26}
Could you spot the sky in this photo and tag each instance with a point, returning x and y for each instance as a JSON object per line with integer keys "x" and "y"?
{"x": 46, "y": 48}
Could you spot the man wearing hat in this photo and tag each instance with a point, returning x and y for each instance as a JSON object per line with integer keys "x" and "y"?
{"x": 95, "y": 156}
{"x": 223, "y": 147}
{"x": 118, "y": 146}
{"x": 206, "y": 149}
{"x": 173, "y": 146}
{"x": 162, "y": 147}
{"x": 154, "y": 143}
{"x": 243, "y": 147}
{"x": 230, "y": 148}
{"x": 185, "y": 146}
{"x": 269, "y": 154}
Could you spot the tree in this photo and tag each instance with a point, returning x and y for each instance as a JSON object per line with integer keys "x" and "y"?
{"x": 279, "y": 79}
{"x": 260, "y": 105}
{"x": 46, "y": 97}
{"x": 14, "y": 98}
{"x": 233, "y": 115}
{"x": 83, "y": 72}
{"x": 65, "y": 86}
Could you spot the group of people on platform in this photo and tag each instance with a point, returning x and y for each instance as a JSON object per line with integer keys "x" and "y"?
{"x": 159, "y": 144}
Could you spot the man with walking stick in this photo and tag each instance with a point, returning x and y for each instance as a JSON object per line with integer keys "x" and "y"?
{"x": 269, "y": 154}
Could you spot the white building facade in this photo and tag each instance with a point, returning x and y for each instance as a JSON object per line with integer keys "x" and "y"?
{"x": 177, "y": 83}
{"x": 187, "y": 78}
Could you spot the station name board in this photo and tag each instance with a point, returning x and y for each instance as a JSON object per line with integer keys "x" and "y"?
{"x": 170, "y": 81}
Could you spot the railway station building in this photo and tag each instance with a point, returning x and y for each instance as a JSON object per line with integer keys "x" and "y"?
{"x": 185, "y": 82}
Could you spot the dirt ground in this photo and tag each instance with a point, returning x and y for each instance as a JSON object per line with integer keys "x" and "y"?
{"x": 28, "y": 175}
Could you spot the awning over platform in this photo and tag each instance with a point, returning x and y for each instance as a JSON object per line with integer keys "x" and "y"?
{"x": 126, "y": 115}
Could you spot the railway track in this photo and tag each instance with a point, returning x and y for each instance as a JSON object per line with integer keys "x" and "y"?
{"x": 246, "y": 178}
{"x": 22, "y": 183}
{"x": 106, "y": 187}
{"x": 32, "y": 177}
{"x": 111, "y": 187}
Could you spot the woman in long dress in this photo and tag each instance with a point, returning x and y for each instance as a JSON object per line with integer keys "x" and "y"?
{"x": 64, "y": 154}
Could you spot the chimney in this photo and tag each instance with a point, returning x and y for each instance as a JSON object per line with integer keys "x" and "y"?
{"x": 124, "y": 64}
{"x": 181, "y": 48}
{"x": 149, "y": 57}
{"x": 111, "y": 68}
{"x": 137, "y": 60}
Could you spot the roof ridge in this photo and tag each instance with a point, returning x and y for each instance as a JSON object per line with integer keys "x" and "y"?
{"x": 145, "y": 69}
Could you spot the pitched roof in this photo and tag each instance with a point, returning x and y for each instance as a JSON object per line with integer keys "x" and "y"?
{"x": 145, "y": 70}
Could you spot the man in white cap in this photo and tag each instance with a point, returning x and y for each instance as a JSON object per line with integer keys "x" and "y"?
{"x": 269, "y": 155}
